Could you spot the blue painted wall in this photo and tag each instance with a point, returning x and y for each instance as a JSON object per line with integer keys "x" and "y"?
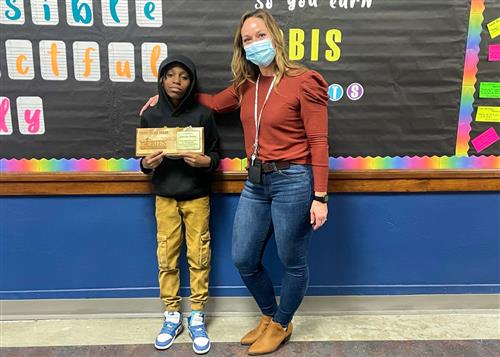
{"x": 104, "y": 246}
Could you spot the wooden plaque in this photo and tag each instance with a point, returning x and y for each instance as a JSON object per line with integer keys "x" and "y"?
{"x": 172, "y": 141}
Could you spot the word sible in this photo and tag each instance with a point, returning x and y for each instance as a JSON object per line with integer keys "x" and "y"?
{"x": 29, "y": 114}
{"x": 115, "y": 13}
{"x": 334, "y": 4}
{"x": 87, "y": 67}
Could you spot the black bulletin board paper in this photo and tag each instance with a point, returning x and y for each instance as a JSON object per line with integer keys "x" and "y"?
{"x": 408, "y": 56}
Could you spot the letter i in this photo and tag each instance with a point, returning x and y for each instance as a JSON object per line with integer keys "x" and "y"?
{"x": 46, "y": 11}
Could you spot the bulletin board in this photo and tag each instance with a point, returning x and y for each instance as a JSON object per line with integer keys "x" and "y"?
{"x": 412, "y": 84}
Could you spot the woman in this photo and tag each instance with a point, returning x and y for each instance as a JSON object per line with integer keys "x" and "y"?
{"x": 283, "y": 108}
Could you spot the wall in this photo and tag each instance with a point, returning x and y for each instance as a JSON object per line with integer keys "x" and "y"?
{"x": 104, "y": 246}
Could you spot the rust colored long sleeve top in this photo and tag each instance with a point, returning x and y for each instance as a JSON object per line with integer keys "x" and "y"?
{"x": 294, "y": 123}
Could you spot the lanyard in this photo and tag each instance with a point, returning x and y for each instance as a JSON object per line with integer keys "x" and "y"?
{"x": 257, "y": 118}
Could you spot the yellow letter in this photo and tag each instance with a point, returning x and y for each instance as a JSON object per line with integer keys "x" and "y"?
{"x": 296, "y": 47}
{"x": 333, "y": 37}
{"x": 19, "y": 64}
{"x": 87, "y": 60}
{"x": 314, "y": 44}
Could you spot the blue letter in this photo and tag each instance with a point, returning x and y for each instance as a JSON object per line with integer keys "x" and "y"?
{"x": 112, "y": 10}
{"x": 46, "y": 12}
{"x": 15, "y": 9}
{"x": 148, "y": 10}
{"x": 77, "y": 12}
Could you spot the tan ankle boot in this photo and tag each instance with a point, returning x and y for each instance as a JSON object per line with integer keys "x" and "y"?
{"x": 253, "y": 335}
{"x": 272, "y": 338}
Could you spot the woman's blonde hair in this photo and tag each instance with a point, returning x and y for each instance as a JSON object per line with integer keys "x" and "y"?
{"x": 244, "y": 70}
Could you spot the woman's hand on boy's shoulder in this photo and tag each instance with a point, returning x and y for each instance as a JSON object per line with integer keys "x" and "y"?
{"x": 150, "y": 103}
{"x": 197, "y": 160}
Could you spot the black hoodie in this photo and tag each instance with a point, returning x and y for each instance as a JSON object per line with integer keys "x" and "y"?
{"x": 173, "y": 177}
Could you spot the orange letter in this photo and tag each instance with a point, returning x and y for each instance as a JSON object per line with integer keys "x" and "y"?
{"x": 155, "y": 55}
{"x": 53, "y": 55}
{"x": 123, "y": 71}
{"x": 87, "y": 60}
{"x": 19, "y": 64}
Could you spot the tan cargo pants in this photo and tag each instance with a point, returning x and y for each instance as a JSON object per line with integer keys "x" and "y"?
{"x": 170, "y": 215}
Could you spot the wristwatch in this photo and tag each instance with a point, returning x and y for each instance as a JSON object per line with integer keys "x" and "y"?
{"x": 322, "y": 199}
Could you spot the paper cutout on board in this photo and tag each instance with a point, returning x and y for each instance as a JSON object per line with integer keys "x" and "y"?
{"x": 485, "y": 139}
{"x": 149, "y": 13}
{"x": 489, "y": 90}
{"x": 121, "y": 62}
{"x": 44, "y": 12}
{"x": 87, "y": 66}
{"x": 114, "y": 13}
{"x": 53, "y": 60}
{"x": 30, "y": 115}
{"x": 494, "y": 28}
{"x": 20, "y": 65}
{"x": 12, "y": 13}
{"x": 152, "y": 54}
{"x": 494, "y": 53}
{"x": 488, "y": 114}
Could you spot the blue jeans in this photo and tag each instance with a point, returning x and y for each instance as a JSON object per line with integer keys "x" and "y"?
{"x": 279, "y": 205}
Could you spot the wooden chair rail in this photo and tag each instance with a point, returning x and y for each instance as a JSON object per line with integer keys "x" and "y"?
{"x": 123, "y": 183}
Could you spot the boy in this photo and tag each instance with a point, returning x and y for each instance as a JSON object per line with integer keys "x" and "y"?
{"x": 182, "y": 188}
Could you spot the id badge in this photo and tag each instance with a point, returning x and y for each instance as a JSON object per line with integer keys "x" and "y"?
{"x": 255, "y": 172}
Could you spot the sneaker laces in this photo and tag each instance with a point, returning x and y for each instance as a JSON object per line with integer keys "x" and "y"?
{"x": 197, "y": 324}
{"x": 173, "y": 317}
{"x": 197, "y": 319}
{"x": 171, "y": 322}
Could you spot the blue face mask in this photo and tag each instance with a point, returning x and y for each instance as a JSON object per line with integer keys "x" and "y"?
{"x": 261, "y": 53}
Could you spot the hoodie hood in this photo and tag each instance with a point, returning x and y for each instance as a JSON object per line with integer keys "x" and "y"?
{"x": 164, "y": 102}
{"x": 174, "y": 177}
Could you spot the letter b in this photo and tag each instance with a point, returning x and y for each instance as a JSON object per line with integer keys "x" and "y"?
{"x": 79, "y": 12}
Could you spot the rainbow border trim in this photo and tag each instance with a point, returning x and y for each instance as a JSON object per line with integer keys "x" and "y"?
{"x": 236, "y": 164}
{"x": 93, "y": 165}
{"x": 469, "y": 80}
{"x": 459, "y": 161}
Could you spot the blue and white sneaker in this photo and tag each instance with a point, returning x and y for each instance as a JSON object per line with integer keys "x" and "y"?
{"x": 198, "y": 332}
{"x": 172, "y": 327}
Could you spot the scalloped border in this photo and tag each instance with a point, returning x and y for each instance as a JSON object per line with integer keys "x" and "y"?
{"x": 469, "y": 80}
{"x": 459, "y": 161}
{"x": 227, "y": 164}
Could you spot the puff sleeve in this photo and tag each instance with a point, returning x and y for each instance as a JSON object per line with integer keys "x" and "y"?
{"x": 314, "y": 113}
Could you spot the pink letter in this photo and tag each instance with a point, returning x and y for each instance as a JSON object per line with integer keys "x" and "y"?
{"x": 4, "y": 109}
{"x": 33, "y": 121}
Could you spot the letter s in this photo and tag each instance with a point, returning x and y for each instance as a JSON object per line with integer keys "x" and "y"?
{"x": 15, "y": 14}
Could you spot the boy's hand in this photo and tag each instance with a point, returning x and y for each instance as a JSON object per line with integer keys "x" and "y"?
{"x": 153, "y": 160}
{"x": 197, "y": 160}
{"x": 151, "y": 103}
